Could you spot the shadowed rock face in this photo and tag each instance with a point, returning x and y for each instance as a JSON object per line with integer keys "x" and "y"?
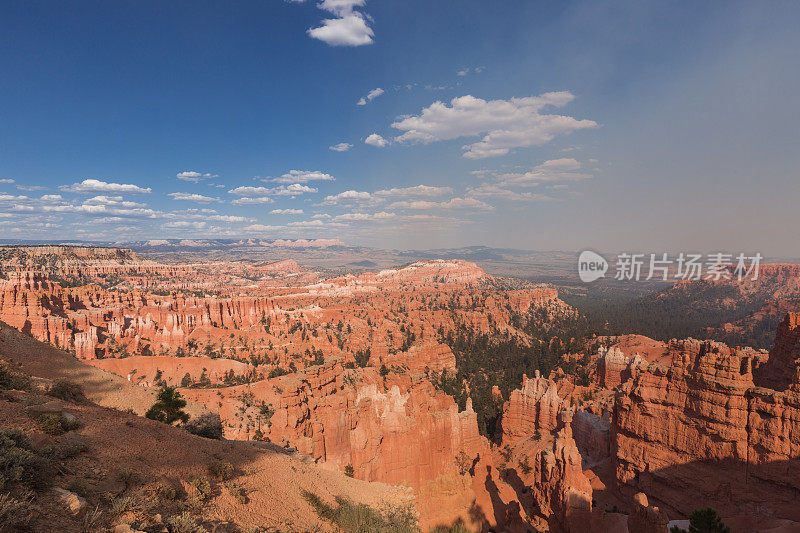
{"x": 700, "y": 430}
{"x": 781, "y": 371}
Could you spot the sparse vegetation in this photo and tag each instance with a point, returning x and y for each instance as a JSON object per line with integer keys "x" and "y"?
{"x": 208, "y": 425}
{"x": 12, "y": 380}
{"x": 349, "y": 471}
{"x": 352, "y": 517}
{"x": 55, "y": 424}
{"x": 221, "y": 470}
{"x": 185, "y": 523}
{"x": 15, "y": 513}
{"x": 66, "y": 390}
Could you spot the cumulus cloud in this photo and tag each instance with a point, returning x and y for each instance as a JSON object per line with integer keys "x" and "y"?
{"x": 504, "y": 124}
{"x": 286, "y": 212}
{"x": 194, "y": 176}
{"x": 185, "y": 224}
{"x": 453, "y": 203}
{"x": 258, "y": 200}
{"x": 372, "y": 95}
{"x": 347, "y": 197}
{"x": 262, "y": 227}
{"x": 303, "y": 176}
{"x": 6, "y": 180}
{"x": 191, "y": 197}
{"x": 295, "y": 189}
{"x": 495, "y": 191}
{"x": 341, "y": 147}
{"x": 382, "y": 215}
{"x": 229, "y": 218}
{"x": 415, "y": 191}
{"x": 376, "y": 140}
{"x": 549, "y": 172}
{"x": 111, "y": 200}
{"x": 92, "y": 185}
{"x": 349, "y": 28}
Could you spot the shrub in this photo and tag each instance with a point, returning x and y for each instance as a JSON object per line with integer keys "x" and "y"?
{"x": 184, "y": 523}
{"x": 221, "y": 470}
{"x": 704, "y": 521}
{"x": 208, "y": 425}
{"x": 67, "y": 390}
{"x": 54, "y": 424}
{"x": 129, "y": 477}
{"x": 351, "y": 517}
{"x": 525, "y": 465}
{"x": 349, "y": 471}
{"x": 18, "y": 463}
{"x": 15, "y": 513}
{"x": 463, "y": 462}
{"x": 203, "y": 486}
{"x": 12, "y": 380}
{"x": 169, "y": 407}
{"x": 238, "y": 492}
{"x": 122, "y": 505}
{"x": 79, "y": 488}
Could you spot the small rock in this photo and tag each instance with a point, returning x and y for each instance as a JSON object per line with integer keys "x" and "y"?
{"x": 51, "y": 407}
{"x": 17, "y": 396}
{"x": 69, "y": 418}
{"x": 74, "y": 503}
{"x": 124, "y": 528}
{"x": 112, "y": 487}
{"x": 40, "y": 440}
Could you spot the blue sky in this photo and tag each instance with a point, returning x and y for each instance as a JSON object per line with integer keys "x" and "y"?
{"x": 646, "y": 126}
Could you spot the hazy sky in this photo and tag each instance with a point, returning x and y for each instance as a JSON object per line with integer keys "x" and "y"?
{"x": 642, "y": 126}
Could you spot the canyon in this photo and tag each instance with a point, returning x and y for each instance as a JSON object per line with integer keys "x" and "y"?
{"x": 347, "y": 371}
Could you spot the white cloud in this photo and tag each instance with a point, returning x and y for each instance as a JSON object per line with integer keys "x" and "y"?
{"x": 294, "y": 189}
{"x": 185, "y": 224}
{"x": 494, "y": 191}
{"x": 382, "y": 215}
{"x": 286, "y": 212}
{"x": 51, "y": 197}
{"x": 192, "y": 197}
{"x": 552, "y": 171}
{"x": 348, "y": 29}
{"x": 194, "y": 176}
{"x": 341, "y": 147}
{"x": 251, "y": 191}
{"x": 504, "y": 124}
{"x": 347, "y": 197}
{"x": 253, "y": 201}
{"x": 372, "y": 95}
{"x": 415, "y": 191}
{"x": 112, "y": 201}
{"x": 230, "y": 218}
{"x": 453, "y": 203}
{"x": 262, "y": 227}
{"x": 303, "y": 176}
{"x": 476, "y": 70}
{"x": 376, "y": 140}
{"x": 92, "y": 185}
{"x": 6, "y": 180}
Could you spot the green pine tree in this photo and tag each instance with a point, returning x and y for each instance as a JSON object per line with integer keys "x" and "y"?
{"x": 169, "y": 407}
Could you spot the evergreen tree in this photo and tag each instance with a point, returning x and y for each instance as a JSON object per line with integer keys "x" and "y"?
{"x": 169, "y": 407}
